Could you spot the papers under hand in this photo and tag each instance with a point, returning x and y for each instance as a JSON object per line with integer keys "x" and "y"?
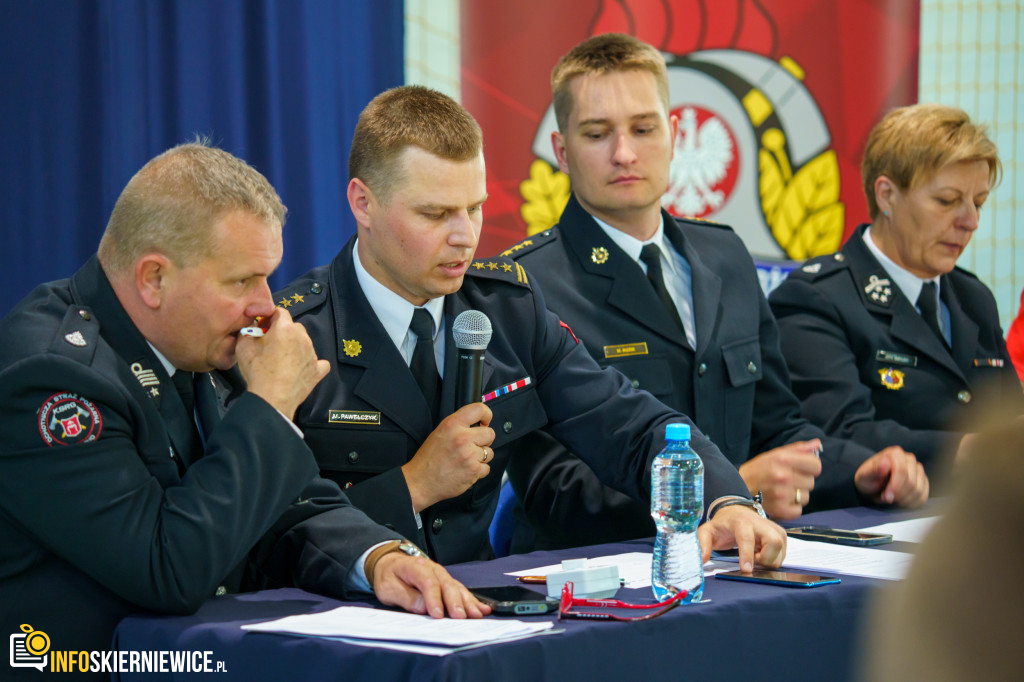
{"x": 912, "y": 530}
{"x": 397, "y": 630}
{"x": 862, "y": 561}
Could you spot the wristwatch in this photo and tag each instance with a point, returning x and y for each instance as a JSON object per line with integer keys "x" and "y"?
{"x": 754, "y": 504}
{"x": 387, "y": 548}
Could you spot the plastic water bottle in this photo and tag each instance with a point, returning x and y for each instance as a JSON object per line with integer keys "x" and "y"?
{"x": 677, "y": 503}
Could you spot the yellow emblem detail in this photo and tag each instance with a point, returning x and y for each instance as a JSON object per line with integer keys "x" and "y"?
{"x": 506, "y": 267}
{"x": 285, "y": 303}
{"x": 297, "y": 298}
{"x": 599, "y": 255}
{"x": 352, "y": 347}
{"x": 892, "y": 379}
{"x": 800, "y": 205}
{"x": 492, "y": 266}
{"x": 478, "y": 265}
{"x": 546, "y": 193}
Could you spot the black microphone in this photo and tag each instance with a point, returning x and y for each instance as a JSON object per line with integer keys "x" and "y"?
{"x": 472, "y": 332}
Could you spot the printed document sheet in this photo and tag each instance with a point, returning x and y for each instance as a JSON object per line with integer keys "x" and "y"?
{"x": 398, "y": 630}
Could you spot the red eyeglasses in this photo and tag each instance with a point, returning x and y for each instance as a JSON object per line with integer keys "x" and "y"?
{"x": 565, "y": 608}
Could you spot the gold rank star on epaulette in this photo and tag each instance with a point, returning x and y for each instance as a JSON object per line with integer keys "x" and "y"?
{"x": 501, "y": 267}
{"x": 301, "y": 297}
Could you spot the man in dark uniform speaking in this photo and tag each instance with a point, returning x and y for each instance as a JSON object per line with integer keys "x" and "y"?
{"x": 124, "y": 483}
{"x": 417, "y": 186}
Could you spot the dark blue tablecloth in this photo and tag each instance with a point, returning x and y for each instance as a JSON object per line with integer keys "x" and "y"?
{"x": 747, "y": 632}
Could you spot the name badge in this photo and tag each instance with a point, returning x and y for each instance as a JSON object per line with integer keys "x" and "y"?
{"x": 351, "y": 417}
{"x": 624, "y": 349}
{"x": 896, "y": 358}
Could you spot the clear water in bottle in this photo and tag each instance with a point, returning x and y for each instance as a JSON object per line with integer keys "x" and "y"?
{"x": 677, "y": 503}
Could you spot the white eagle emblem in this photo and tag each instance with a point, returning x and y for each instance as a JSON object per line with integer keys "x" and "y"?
{"x": 702, "y": 158}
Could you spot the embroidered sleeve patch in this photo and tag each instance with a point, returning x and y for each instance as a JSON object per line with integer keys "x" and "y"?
{"x": 69, "y": 419}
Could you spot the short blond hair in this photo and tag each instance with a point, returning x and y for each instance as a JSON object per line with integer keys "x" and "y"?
{"x": 601, "y": 54}
{"x": 411, "y": 115}
{"x": 172, "y": 204}
{"x": 913, "y": 143}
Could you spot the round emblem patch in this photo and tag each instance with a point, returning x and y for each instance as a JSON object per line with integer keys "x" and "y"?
{"x": 69, "y": 419}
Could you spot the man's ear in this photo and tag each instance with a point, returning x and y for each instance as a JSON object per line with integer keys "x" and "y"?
{"x": 673, "y": 130}
{"x": 361, "y": 201}
{"x": 151, "y": 278}
{"x": 558, "y": 147}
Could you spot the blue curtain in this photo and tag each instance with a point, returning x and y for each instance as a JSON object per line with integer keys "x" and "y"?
{"x": 92, "y": 89}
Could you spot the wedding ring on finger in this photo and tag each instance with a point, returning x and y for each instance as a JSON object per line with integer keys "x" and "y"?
{"x": 483, "y": 460}
{"x": 798, "y": 495}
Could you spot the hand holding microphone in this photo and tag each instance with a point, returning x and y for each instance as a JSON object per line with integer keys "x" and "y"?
{"x": 458, "y": 452}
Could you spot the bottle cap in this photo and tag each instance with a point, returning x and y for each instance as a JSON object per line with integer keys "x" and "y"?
{"x": 677, "y": 432}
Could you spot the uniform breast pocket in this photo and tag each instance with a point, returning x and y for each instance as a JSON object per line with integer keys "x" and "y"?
{"x": 356, "y": 453}
{"x": 516, "y": 414}
{"x": 651, "y": 373}
{"x": 742, "y": 361}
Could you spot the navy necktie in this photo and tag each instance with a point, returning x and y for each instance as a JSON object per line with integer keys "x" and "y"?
{"x": 928, "y": 303}
{"x": 651, "y": 257}
{"x": 423, "y": 365}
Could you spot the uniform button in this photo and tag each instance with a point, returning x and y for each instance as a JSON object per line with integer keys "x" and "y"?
{"x": 964, "y": 397}
{"x": 316, "y": 288}
{"x": 436, "y": 525}
{"x": 84, "y": 314}
{"x": 221, "y": 591}
{"x": 507, "y": 426}
{"x": 702, "y": 368}
{"x": 353, "y": 457}
{"x": 752, "y": 367}
{"x": 634, "y": 383}
{"x": 840, "y": 257}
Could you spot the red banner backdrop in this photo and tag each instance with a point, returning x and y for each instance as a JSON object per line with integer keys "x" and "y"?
{"x": 775, "y": 99}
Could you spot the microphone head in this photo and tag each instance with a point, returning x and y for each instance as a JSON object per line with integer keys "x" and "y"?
{"x": 472, "y": 330}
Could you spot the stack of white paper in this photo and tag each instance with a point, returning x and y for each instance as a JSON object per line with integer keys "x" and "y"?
{"x": 404, "y": 631}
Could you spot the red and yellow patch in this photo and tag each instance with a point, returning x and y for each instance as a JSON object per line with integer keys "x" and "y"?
{"x": 892, "y": 379}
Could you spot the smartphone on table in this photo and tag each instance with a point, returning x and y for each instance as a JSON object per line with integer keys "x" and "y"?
{"x": 839, "y": 537}
{"x": 783, "y": 578}
{"x": 514, "y": 600}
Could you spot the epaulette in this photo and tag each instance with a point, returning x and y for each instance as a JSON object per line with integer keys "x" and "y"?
{"x": 820, "y": 266}
{"x": 78, "y": 335}
{"x": 530, "y": 243}
{"x": 499, "y": 268}
{"x": 702, "y": 222}
{"x": 301, "y": 296}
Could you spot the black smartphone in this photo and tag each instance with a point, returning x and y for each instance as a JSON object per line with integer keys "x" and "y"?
{"x": 783, "y": 578}
{"x": 839, "y": 537}
{"x": 514, "y": 600}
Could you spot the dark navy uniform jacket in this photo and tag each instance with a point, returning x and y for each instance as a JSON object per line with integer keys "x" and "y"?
{"x": 867, "y": 367}
{"x": 368, "y": 417}
{"x": 97, "y": 519}
{"x": 734, "y": 385}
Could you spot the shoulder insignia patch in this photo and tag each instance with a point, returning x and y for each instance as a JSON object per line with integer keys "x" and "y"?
{"x": 301, "y": 296}
{"x": 879, "y": 290}
{"x": 500, "y": 268}
{"x": 75, "y": 338}
{"x": 705, "y": 222}
{"x": 530, "y": 243}
{"x": 69, "y": 419}
{"x": 147, "y": 378}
